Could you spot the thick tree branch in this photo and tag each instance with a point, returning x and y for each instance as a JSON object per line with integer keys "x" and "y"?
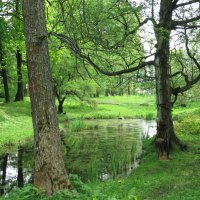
{"x": 186, "y": 87}
{"x": 184, "y": 4}
{"x": 187, "y": 27}
{"x": 71, "y": 43}
{"x": 184, "y": 22}
{"x": 115, "y": 73}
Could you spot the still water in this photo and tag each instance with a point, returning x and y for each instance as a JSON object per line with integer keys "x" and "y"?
{"x": 102, "y": 149}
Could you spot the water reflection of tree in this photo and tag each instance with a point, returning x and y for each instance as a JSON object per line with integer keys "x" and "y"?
{"x": 3, "y": 164}
{"x": 107, "y": 152}
{"x": 16, "y": 169}
{"x": 20, "y": 175}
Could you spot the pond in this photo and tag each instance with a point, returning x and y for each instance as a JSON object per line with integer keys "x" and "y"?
{"x": 95, "y": 150}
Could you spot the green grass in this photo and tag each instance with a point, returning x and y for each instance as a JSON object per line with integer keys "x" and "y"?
{"x": 176, "y": 179}
{"x": 16, "y": 123}
{"x": 113, "y": 107}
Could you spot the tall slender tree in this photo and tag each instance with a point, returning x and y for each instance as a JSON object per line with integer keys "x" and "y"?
{"x": 20, "y": 92}
{"x": 49, "y": 173}
{"x": 4, "y": 75}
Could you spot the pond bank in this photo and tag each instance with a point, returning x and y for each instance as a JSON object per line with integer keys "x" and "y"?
{"x": 175, "y": 179}
{"x": 96, "y": 151}
{"x": 16, "y": 123}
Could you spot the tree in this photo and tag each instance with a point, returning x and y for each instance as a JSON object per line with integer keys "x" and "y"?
{"x": 13, "y": 42}
{"x": 167, "y": 22}
{"x": 49, "y": 172}
{"x": 2, "y": 61}
{"x": 19, "y": 36}
{"x": 113, "y": 31}
{"x": 20, "y": 92}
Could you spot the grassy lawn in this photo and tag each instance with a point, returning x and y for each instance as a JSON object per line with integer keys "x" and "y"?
{"x": 112, "y": 107}
{"x": 176, "y": 179}
{"x": 16, "y": 123}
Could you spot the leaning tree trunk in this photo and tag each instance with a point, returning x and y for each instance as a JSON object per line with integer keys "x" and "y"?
{"x": 49, "y": 172}
{"x": 20, "y": 93}
{"x": 165, "y": 128}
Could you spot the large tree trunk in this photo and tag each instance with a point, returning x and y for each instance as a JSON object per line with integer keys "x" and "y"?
{"x": 49, "y": 173}
{"x": 165, "y": 128}
{"x": 20, "y": 93}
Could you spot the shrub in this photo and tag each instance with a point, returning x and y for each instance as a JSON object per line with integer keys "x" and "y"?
{"x": 77, "y": 125}
{"x": 149, "y": 116}
{"x": 188, "y": 126}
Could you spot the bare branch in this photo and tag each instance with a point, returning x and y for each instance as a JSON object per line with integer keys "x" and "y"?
{"x": 189, "y": 83}
{"x": 141, "y": 24}
{"x": 184, "y": 4}
{"x": 115, "y": 73}
{"x": 185, "y": 22}
{"x": 189, "y": 53}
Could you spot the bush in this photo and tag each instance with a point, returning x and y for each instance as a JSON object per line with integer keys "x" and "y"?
{"x": 149, "y": 116}
{"x": 77, "y": 125}
{"x": 78, "y": 191}
{"x": 27, "y": 193}
{"x": 188, "y": 126}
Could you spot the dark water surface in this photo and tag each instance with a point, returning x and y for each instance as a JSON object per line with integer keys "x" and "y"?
{"x": 102, "y": 149}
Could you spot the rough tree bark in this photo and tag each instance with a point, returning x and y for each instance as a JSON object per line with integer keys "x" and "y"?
{"x": 165, "y": 127}
{"x": 20, "y": 93}
{"x": 49, "y": 172}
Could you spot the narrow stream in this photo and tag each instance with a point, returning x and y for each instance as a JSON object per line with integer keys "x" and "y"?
{"x": 102, "y": 149}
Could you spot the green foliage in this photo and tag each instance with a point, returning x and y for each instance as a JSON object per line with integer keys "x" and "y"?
{"x": 78, "y": 191}
{"x": 149, "y": 116}
{"x": 77, "y": 125}
{"x": 188, "y": 126}
{"x": 27, "y": 193}
{"x": 15, "y": 123}
{"x": 155, "y": 179}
